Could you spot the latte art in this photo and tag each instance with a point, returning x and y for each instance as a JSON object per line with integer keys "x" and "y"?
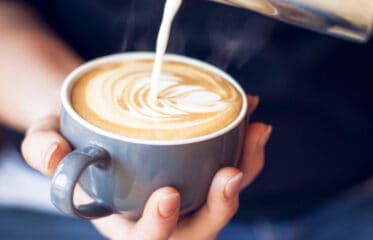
{"x": 191, "y": 101}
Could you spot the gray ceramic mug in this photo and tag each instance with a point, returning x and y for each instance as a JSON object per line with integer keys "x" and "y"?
{"x": 119, "y": 173}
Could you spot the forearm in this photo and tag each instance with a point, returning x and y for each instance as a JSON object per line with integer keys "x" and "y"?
{"x": 33, "y": 64}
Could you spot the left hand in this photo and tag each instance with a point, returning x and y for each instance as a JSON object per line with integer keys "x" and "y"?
{"x": 44, "y": 147}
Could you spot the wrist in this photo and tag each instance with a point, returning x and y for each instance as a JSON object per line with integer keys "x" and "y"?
{"x": 33, "y": 69}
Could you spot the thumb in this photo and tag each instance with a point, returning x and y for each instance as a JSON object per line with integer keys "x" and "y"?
{"x": 43, "y": 146}
{"x": 160, "y": 216}
{"x": 221, "y": 204}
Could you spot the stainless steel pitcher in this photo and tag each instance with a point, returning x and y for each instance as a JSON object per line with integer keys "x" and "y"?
{"x": 349, "y": 19}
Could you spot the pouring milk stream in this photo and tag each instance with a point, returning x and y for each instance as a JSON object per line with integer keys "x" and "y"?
{"x": 170, "y": 10}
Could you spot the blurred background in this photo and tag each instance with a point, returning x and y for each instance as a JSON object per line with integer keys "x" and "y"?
{"x": 315, "y": 91}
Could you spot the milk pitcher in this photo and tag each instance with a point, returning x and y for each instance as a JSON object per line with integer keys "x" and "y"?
{"x": 349, "y": 19}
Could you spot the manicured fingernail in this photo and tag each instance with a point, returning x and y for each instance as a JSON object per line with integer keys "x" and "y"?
{"x": 168, "y": 205}
{"x": 265, "y": 136}
{"x": 233, "y": 186}
{"x": 48, "y": 155}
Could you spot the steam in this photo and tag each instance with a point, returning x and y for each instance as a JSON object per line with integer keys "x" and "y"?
{"x": 128, "y": 24}
{"x": 178, "y": 39}
{"x": 236, "y": 38}
{"x": 137, "y": 24}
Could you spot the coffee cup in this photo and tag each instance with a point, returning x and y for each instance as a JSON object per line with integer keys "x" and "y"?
{"x": 120, "y": 172}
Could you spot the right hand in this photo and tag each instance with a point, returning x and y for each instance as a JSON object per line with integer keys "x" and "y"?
{"x": 44, "y": 147}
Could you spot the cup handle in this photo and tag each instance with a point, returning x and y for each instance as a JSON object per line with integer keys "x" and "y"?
{"x": 67, "y": 175}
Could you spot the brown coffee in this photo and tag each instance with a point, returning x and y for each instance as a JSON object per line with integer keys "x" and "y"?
{"x": 192, "y": 101}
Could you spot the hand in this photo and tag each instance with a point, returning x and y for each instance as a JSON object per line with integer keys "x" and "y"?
{"x": 44, "y": 147}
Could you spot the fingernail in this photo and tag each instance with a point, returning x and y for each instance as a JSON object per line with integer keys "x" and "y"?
{"x": 168, "y": 205}
{"x": 233, "y": 186}
{"x": 254, "y": 104}
{"x": 265, "y": 136}
{"x": 48, "y": 155}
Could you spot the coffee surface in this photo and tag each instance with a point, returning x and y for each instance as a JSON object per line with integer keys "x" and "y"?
{"x": 191, "y": 102}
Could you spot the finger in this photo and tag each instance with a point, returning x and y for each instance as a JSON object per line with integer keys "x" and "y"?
{"x": 252, "y": 104}
{"x": 158, "y": 220}
{"x": 221, "y": 205}
{"x": 160, "y": 216}
{"x": 43, "y": 147}
{"x": 252, "y": 162}
{"x": 115, "y": 227}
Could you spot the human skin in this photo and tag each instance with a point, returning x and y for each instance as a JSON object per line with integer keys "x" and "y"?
{"x": 33, "y": 64}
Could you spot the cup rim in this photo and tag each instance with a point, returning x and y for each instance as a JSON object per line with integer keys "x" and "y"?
{"x": 74, "y": 76}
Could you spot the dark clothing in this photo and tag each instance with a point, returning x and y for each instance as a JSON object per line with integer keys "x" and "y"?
{"x": 348, "y": 217}
{"x": 314, "y": 90}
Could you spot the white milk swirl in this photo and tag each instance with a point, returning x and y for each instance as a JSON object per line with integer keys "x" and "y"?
{"x": 191, "y": 101}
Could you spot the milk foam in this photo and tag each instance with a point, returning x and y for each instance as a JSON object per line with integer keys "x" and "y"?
{"x": 191, "y": 102}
